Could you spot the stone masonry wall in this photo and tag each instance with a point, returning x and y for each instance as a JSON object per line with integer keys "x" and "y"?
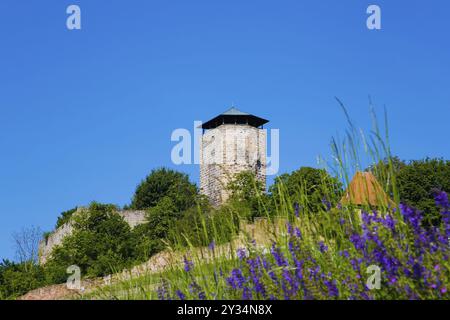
{"x": 226, "y": 151}
{"x": 46, "y": 246}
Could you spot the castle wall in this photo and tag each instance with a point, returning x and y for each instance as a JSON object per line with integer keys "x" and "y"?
{"x": 226, "y": 151}
{"x": 46, "y": 246}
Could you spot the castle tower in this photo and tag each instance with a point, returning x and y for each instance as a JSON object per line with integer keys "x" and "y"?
{"x": 232, "y": 142}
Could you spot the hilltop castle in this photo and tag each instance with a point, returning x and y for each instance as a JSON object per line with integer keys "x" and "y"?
{"x": 232, "y": 142}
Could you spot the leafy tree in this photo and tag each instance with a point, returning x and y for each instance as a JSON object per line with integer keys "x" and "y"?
{"x": 387, "y": 172}
{"x": 310, "y": 187}
{"x": 17, "y": 279}
{"x": 417, "y": 182}
{"x": 101, "y": 243}
{"x": 248, "y": 195}
{"x": 163, "y": 183}
{"x": 160, "y": 219}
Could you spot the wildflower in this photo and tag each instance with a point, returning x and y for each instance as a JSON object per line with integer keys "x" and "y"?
{"x": 242, "y": 253}
{"x": 278, "y": 256}
{"x": 188, "y": 265}
{"x": 389, "y": 222}
{"x": 290, "y": 230}
{"x": 326, "y": 203}
{"x": 298, "y": 233}
{"x": 236, "y": 280}
{"x": 414, "y": 217}
{"x": 296, "y": 209}
{"x": 344, "y": 253}
{"x": 162, "y": 291}
{"x": 202, "y": 295}
{"x": 195, "y": 289}
{"x": 291, "y": 282}
{"x": 246, "y": 294}
{"x": 392, "y": 280}
{"x": 357, "y": 241}
{"x": 441, "y": 199}
{"x": 323, "y": 248}
{"x": 266, "y": 264}
{"x": 180, "y": 295}
{"x": 333, "y": 291}
{"x": 212, "y": 245}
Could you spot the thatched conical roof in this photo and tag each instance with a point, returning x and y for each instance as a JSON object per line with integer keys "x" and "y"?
{"x": 364, "y": 189}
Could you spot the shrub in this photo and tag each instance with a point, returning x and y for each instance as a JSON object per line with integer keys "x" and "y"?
{"x": 416, "y": 182}
{"x": 311, "y": 188}
{"x": 202, "y": 226}
{"x": 17, "y": 279}
{"x": 101, "y": 243}
{"x": 247, "y": 195}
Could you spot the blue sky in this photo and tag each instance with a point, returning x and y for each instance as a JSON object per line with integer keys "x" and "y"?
{"x": 86, "y": 114}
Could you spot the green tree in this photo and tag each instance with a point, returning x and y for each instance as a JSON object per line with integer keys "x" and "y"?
{"x": 101, "y": 243}
{"x": 247, "y": 195}
{"x": 160, "y": 218}
{"x": 161, "y": 183}
{"x": 17, "y": 279}
{"x": 418, "y": 180}
{"x": 313, "y": 188}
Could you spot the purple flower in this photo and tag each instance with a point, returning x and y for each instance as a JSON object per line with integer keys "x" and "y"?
{"x": 290, "y": 285}
{"x": 389, "y": 222}
{"x": 162, "y": 292}
{"x": 247, "y": 294}
{"x": 326, "y": 203}
{"x": 188, "y": 265}
{"x": 242, "y": 253}
{"x": 298, "y": 233}
{"x": 333, "y": 291}
{"x": 195, "y": 289}
{"x": 323, "y": 248}
{"x": 296, "y": 209}
{"x": 212, "y": 245}
{"x": 278, "y": 256}
{"x": 236, "y": 280}
{"x": 290, "y": 230}
{"x": 357, "y": 241}
{"x": 344, "y": 253}
{"x": 180, "y": 295}
{"x": 441, "y": 199}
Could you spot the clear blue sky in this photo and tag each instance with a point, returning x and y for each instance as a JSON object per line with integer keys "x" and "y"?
{"x": 85, "y": 115}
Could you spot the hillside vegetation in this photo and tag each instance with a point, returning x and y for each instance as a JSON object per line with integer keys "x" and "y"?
{"x": 322, "y": 249}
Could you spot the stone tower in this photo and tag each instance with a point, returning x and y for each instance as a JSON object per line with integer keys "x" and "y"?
{"x": 232, "y": 142}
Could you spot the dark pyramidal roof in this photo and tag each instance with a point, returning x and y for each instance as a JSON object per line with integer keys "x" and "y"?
{"x": 234, "y": 116}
